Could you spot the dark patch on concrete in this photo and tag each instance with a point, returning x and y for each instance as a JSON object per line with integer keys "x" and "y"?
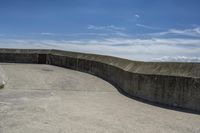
{"x": 47, "y": 70}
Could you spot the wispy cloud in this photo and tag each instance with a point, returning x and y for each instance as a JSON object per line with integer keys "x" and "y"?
{"x": 147, "y": 27}
{"x": 115, "y": 41}
{"x": 109, "y": 30}
{"x": 192, "y": 32}
{"x": 108, "y": 27}
{"x": 97, "y": 34}
{"x": 178, "y": 59}
{"x": 137, "y": 16}
{"x": 134, "y": 49}
{"x": 48, "y": 34}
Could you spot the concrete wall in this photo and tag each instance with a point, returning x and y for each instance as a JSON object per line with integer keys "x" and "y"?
{"x": 173, "y": 84}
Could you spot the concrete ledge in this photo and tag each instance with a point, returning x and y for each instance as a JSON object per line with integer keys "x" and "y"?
{"x": 173, "y": 84}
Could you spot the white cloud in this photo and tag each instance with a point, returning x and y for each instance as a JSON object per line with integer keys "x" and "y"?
{"x": 134, "y": 49}
{"x": 108, "y": 31}
{"x": 147, "y": 27}
{"x": 47, "y": 34}
{"x": 137, "y": 16}
{"x": 193, "y": 32}
{"x": 96, "y": 34}
{"x": 88, "y": 34}
{"x": 108, "y": 27}
{"x": 178, "y": 59}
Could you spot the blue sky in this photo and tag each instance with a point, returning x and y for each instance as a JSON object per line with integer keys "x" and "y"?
{"x": 167, "y": 30}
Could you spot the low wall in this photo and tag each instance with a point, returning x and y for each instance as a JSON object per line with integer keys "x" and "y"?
{"x": 173, "y": 84}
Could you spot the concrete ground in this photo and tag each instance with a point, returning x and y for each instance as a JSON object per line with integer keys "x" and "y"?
{"x": 49, "y": 99}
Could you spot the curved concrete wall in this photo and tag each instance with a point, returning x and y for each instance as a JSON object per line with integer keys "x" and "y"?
{"x": 174, "y": 84}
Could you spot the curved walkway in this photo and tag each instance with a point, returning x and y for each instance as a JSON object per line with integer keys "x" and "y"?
{"x": 50, "y": 99}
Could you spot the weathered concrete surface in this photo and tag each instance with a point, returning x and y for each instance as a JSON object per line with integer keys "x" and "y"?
{"x": 173, "y": 84}
{"x": 50, "y": 99}
{"x": 22, "y": 55}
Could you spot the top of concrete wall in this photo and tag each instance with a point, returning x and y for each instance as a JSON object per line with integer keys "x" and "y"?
{"x": 37, "y": 51}
{"x": 150, "y": 68}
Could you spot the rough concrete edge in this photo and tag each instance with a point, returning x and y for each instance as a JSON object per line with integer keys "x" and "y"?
{"x": 192, "y": 70}
{"x": 126, "y": 65}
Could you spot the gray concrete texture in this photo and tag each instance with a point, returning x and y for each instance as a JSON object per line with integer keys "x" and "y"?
{"x": 49, "y": 99}
{"x": 172, "y": 84}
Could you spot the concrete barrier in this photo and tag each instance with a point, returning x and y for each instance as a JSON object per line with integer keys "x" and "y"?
{"x": 173, "y": 84}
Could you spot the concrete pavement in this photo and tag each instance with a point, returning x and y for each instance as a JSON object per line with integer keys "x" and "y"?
{"x": 50, "y": 99}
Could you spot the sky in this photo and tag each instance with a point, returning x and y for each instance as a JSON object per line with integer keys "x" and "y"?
{"x": 146, "y": 30}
